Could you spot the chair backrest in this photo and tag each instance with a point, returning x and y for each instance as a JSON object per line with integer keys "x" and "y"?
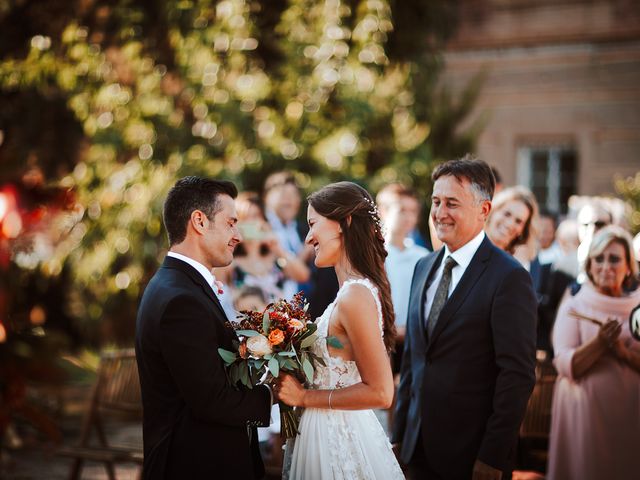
{"x": 537, "y": 419}
{"x": 118, "y": 382}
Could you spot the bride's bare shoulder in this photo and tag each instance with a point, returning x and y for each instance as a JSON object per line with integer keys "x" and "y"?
{"x": 356, "y": 301}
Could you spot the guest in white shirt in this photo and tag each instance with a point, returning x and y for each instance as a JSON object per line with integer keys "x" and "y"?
{"x": 399, "y": 211}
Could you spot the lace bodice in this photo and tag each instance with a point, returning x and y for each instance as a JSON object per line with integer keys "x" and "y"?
{"x": 339, "y": 373}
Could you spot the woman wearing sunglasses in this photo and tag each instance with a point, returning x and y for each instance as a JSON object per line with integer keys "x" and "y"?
{"x": 259, "y": 259}
{"x": 595, "y": 427}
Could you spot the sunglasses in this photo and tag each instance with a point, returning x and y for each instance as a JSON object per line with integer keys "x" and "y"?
{"x": 598, "y": 225}
{"x": 613, "y": 259}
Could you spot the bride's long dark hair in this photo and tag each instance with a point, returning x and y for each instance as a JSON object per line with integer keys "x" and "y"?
{"x": 353, "y": 208}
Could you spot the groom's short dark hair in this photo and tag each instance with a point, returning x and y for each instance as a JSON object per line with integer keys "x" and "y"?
{"x": 189, "y": 194}
{"x": 477, "y": 173}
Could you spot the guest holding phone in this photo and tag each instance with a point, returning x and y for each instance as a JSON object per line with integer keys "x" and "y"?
{"x": 259, "y": 260}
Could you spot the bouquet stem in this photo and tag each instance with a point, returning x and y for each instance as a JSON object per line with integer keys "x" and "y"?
{"x": 289, "y": 421}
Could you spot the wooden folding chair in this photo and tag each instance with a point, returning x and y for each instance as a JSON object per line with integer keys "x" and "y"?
{"x": 537, "y": 419}
{"x": 535, "y": 428}
{"x": 116, "y": 390}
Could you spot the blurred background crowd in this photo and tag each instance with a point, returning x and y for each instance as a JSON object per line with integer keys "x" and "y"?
{"x": 106, "y": 103}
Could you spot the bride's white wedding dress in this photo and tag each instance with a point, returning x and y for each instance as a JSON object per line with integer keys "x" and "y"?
{"x": 339, "y": 444}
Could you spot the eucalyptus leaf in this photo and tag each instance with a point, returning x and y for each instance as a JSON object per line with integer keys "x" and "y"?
{"x": 307, "y": 342}
{"x": 274, "y": 366}
{"x": 234, "y": 374}
{"x": 308, "y": 369}
{"x": 266, "y": 322}
{"x": 317, "y": 359}
{"x": 334, "y": 342}
{"x": 244, "y": 375}
{"x": 247, "y": 333}
{"x": 227, "y": 356}
{"x": 287, "y": 354}
{"x": 311, "y": 329}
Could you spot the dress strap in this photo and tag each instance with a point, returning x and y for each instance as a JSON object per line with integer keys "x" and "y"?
{"x": 376, "y": 297}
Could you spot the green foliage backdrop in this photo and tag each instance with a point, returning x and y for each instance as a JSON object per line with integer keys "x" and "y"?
{"x": 117, "y": 99}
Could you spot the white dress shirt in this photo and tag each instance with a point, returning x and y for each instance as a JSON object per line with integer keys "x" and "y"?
{"x": 224, "y": 298}
{"x": 204, "y": 271}
{"x": 400, "y": 265}
{"x": 463, "y": 257}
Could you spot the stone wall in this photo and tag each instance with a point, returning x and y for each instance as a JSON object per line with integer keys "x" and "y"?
{"x": 557, "y": 73}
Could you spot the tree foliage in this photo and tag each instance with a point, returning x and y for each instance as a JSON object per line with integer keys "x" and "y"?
{"x": 629, "y": 188}
{"x": 116, "y": 99}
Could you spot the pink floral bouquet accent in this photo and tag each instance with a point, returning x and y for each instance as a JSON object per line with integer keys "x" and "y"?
{"x": 274, "y": 340}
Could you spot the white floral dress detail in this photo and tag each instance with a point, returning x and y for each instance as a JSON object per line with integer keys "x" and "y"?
{"x": 340, "y": 444}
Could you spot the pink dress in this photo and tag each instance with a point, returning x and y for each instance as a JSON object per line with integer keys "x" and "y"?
{"x": 595, "y": 426}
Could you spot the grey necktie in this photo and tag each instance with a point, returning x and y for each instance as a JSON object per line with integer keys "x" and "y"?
{"x": 442, "y": 293}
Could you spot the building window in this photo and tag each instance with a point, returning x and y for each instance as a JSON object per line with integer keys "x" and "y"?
{"x": 551, "y": 172}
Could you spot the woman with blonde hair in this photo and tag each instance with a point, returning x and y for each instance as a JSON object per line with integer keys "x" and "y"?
{"x": 512, "y": 223}
{"x": 595, "y": 428}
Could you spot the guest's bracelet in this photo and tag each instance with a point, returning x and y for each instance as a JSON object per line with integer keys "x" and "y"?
{"x": 330, "y": 393}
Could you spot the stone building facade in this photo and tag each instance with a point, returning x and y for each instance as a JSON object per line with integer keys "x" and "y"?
{"x": 561, "y": 96}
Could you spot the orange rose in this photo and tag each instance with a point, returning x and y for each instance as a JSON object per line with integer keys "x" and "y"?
{"x": 276, "y": 337}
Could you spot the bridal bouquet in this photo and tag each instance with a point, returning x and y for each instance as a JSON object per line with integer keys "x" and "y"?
{"x": 274, "y": 340}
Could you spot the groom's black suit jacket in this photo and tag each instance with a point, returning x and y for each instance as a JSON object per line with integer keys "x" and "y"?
{"x": 195, "y": 424}
{"x": 465, "y": 389}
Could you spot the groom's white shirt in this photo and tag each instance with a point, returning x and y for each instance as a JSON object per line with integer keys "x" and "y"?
{"x": 204, "y": 271}
{"x": 225, "y": 299}
{"x": 463, "y": 257}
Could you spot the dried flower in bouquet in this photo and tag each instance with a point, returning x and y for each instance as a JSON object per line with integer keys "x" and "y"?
{"x": 274, "y": 340}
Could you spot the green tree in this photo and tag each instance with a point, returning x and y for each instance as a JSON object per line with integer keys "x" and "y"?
{"x": 139, "y": 93}
{"x": 629, "y": 188}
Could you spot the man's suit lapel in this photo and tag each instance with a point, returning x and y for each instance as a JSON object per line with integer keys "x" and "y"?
{"x": 471, "y": 275}
{"x": 194, "y": 275}
{"x": 429, "y": 267}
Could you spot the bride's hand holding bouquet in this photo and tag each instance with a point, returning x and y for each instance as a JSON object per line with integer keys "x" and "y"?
{"x": 289, "y": 390}
{"x": 271, "y": 342}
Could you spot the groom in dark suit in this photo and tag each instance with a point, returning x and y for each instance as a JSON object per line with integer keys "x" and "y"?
{"x": 195, "y": 424}
{"x": 468, "y": 365}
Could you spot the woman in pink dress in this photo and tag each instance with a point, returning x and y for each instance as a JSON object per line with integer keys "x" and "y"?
{"x": 595, "y": 429}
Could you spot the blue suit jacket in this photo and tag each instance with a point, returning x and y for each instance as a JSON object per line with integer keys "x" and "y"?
{"x": 465, "y": 389}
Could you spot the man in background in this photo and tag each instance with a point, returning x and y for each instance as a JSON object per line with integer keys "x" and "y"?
{"x": 399, "y": 211}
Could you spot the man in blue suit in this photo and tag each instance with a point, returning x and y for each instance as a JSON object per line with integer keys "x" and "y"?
{"x": 468, "y": 366}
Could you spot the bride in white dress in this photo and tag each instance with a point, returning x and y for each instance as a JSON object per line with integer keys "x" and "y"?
{"x": 340, "y": 436}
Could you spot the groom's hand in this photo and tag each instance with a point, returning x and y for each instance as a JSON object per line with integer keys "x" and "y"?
{"x": 482, "y": 471}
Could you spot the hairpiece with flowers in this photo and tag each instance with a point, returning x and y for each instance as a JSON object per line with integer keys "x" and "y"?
{"x": 374, "y": 213}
